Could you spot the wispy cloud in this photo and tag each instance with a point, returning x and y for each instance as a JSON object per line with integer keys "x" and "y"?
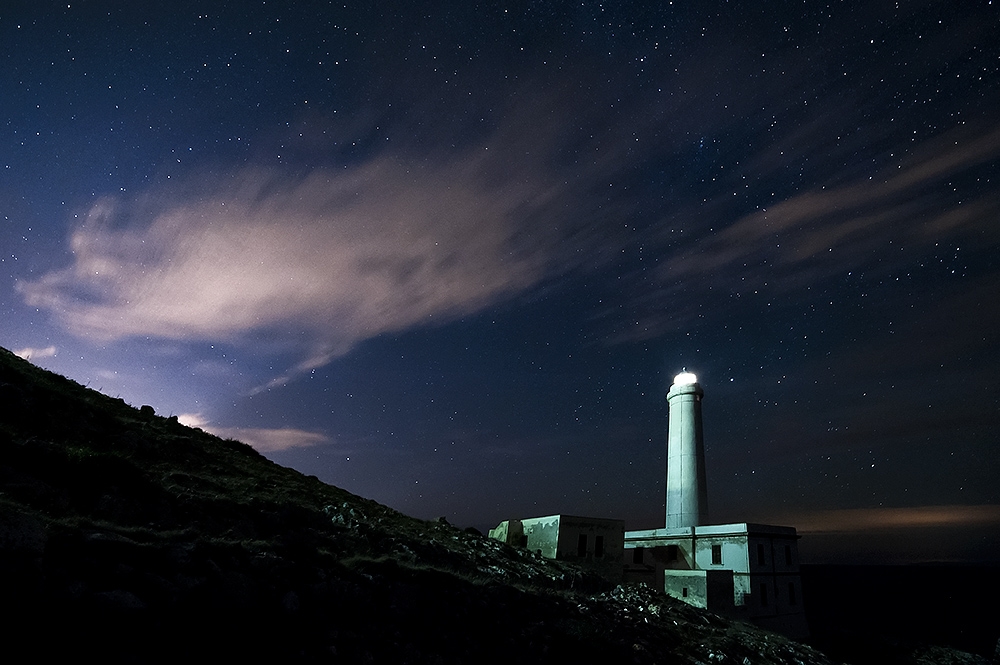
{"x": 261, "y": 439}
{"x": 327, "y": 257}
{"x": 29, "y": 353}
{"x": 346, "y": 255}
{"x": 332, "y": 257}
{"x": 910, "y": 205}
{"x": 906, "y": 201}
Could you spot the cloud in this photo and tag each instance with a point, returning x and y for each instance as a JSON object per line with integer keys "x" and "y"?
{"x": 904, "y": 200}
{"x": 930, "y": 195}
{"x": 333, "y": 257}
{"x": 308, "y": 261}
{"x": 262, "y": 440}
{"x": 29, "y": 353}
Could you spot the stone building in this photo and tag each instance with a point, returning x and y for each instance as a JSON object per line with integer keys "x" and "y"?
{"x": 596, "y": 543}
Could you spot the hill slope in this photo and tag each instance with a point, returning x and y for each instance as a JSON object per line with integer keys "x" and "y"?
{"x": 132, "y": 537}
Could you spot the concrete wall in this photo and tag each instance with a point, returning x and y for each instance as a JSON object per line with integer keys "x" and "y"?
{"x": 542, "y": 535}
{"x": 596, "y": 543}
{"x": 735, "y": 557}
{"x": 710, "y": 589}
{"x": 593, "y": 542}
{"x": 510, "y": 532}
{"x": 775, "y": 583}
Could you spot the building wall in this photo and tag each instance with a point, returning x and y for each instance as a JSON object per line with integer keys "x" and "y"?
{"x": 734, "y": 556}
{"x": 596, "y": 543}
{"x": 774, "y": 568}
{"x": 710, "y": 589}
{"x": 510, "y": 532}
{"x": 542, "y": 535}
{"x": 766, "y": 586}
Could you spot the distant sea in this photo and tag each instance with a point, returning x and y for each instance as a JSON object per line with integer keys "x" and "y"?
{"x": 869, "y": 607}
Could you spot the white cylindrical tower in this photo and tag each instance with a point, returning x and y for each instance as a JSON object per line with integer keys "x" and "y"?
{"x": 687, "y": 496}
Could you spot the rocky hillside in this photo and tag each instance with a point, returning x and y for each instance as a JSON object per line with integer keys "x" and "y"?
{"x": 132, "y": 538}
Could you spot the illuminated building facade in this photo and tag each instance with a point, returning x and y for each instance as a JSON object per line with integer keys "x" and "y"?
{"x": 748, "y": 570}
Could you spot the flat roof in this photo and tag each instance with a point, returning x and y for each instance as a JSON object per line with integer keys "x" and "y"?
{"x": 736, "y": 529}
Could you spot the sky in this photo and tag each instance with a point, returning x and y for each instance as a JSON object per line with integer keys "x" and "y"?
{"x": 449, "y": 256}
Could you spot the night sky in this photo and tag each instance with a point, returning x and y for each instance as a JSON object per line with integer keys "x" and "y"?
{"x": 450, "y": 256}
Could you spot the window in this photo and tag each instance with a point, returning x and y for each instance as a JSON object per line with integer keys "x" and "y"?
{"x": 637, "y": 555}
{"x": 763, "y": 594}
{"x": 598, "y": 546}
{"x": 788, "y": 555}
{"x": 760, "y": 554}
{"x": 581, "y": 545}
{"x": 792, "y": 599}
{"x": 684, "y": 592}
{"x": 716, "y": 555}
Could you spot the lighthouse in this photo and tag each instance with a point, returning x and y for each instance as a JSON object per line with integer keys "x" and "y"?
{"x": 744, "y": 568}
{"x": 687, "y": 496}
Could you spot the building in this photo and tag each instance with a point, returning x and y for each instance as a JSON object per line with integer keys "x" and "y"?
{"x": 746, "y": 570}
{"x": 593, "y": 542}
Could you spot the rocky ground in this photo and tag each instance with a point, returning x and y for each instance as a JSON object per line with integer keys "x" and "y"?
{"x": 132, "y": 538}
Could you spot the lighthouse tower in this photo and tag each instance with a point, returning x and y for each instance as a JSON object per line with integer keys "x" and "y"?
{"x": 687, "y": 496}
{"x": 750, "y": 569}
